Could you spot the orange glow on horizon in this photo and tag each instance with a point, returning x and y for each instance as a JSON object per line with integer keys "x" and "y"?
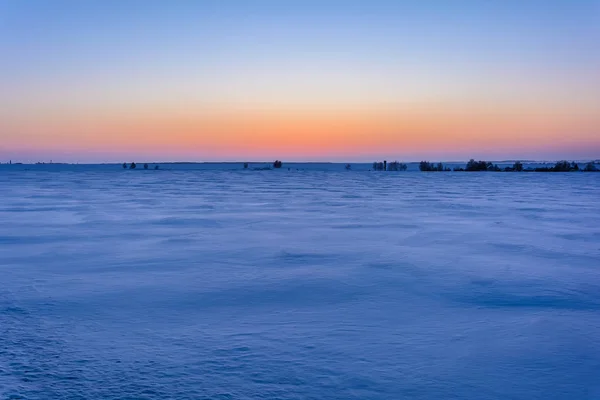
{"x": 308, "y": 133}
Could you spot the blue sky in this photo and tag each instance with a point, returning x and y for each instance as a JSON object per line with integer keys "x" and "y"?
{"x": 106, "y": 59}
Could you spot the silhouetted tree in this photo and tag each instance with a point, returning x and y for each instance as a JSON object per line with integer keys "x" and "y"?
{"x": 590, "y": 167}
{"x": 132, "y": 166}
{"x": 277, "y": 164}
{"x": 562, "y": 166}
{"x": 245, "y": 165}
{"x": 397, "y": 166}
{"x": 348, "y": 167}
{"x": 124, "y": 165}
{"x": 517, "y": 166}
{"x": 473, "y": 165}
{"x": 378, "y": 166}
{"x": 426, "y": 166}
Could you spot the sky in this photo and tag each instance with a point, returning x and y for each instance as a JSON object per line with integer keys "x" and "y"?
{"x": 299, "y": 80}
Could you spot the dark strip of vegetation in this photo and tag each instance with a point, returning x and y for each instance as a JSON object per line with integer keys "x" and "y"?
{"x": 393, "y": 166}
{"x": 430, "y": 167}
{"x": 472, "y": 165}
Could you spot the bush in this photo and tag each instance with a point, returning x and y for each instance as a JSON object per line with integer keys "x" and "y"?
{"x": 277, "y": 164}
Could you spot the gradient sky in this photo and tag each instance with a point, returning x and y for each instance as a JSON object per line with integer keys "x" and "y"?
{"x": 302, "y": 80}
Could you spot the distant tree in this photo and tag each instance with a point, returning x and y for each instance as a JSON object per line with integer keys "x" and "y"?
{"x": 590, "y": 167}
{"x": 425, "y": 166}
{"x": 245, "y": 165}
{"x": 440, "y": 167}
{"x": 132, "y": 166}
{"x": 378, "y": 166}
{"x": 397, "y": 166}
{"x": 348, "y": 167}
{"x": 145, "y": 166}
{"x": 562, "y": 166}
{"x": 473, "y": 165}
{"x": 277, "y": 164}
{"x": 517, "y": 166}
{"x": 124, "y": 165}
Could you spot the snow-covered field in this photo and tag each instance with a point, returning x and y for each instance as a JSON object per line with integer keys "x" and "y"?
{"x": 298, "y": 285}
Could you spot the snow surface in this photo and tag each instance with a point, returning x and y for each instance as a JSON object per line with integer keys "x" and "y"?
{"x": 298, "y": 285}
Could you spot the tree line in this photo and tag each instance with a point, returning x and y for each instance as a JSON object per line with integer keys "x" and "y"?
{"x": 472, "y": 165}
{"x": 392, "y": 166}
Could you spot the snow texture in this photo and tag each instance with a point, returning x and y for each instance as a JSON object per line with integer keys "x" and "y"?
{"x": 285, "y": 284}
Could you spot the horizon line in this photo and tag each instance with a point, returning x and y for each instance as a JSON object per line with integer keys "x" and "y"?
{"x": 296, "y": 162}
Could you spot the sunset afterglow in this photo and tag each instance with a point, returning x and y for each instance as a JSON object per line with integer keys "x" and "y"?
{"x": 299, "y": 80}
